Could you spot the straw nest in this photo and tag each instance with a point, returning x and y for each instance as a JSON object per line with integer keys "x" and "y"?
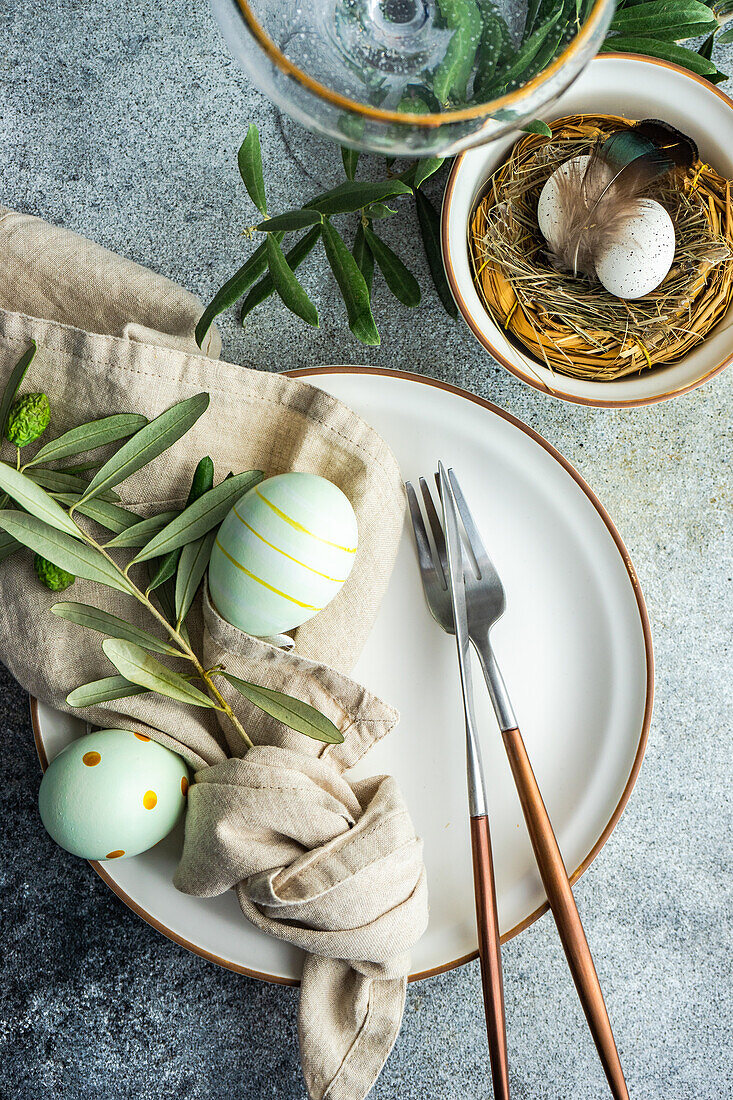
{"x": 574, "y": 326}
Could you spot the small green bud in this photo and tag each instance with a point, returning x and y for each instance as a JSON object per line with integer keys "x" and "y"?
{"x": 53, "y": 576}
{"x": 28, "y": 418}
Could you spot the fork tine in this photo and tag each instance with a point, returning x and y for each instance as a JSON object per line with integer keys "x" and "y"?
{"x": 424, "y": 553}
{"x": 476, "y": 543}
{"x": 470, "y": 566}
{"x": 437, "y": 528}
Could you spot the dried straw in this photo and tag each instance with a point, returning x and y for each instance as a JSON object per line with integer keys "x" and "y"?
{"x": 572, "y": 325}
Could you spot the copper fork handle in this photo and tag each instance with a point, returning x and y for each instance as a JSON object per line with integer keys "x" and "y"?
{"x": 490, "y": 952}
{"x": 560, "y": 896}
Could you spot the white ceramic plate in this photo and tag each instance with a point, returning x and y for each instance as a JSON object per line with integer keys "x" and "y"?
{"x": 574, "y": 645}
{"x": 618, "y": 84}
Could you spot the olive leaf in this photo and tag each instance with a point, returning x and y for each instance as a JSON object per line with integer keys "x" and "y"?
{"x": 140, "y": 668}
{"x": 250, "y": 168}
{"x": 166, "y": 568}
{"x": 191, "y": 568}
{"x": 59, "y": 481}
{"x": 350, "y": 125}
{"x": 426, "y": 168}
{"x": 398, "y": 278}
{"x": 295, "y": 256}
{"x": 352, "y": 286}
{"x": 350, "y": 158}
{"x": 148, "y": 443}
{"x": 450, "y": 78}
{"x": 495, "y": 49}
{"x": 293, "y": 713}
{"x": 413, "y": 104}
{"x": 363, "y": 257}
{"x": 103, "y": 691}
{"x": 86, "y": 437}
{"x": 201, "y": 482}
{"x": 420, "y": 93}
{"x": 36, "y": 500}
{"x": 660, "y": 19}
{"x": 545, "y": 8}
{"x": 63, "y": 550}
{"x": 667, "y": 51}
{"x": 13, "y": 384}
{"x": 354, "y": 194}
{"x": 526, "y": 54}
{"x": 232, "y": 290}
{"x": 164, "y": 591}
{"x": 199, "y": 517}
{"x": 537, "y": 126}
{"x": 429, "y": 222}
{"x": 94, "y": 618}
{"x": 533, "y": 9}
{"x": 293, "y": 219}
{"x": 107, "y": 515}
{"x": 290, "y": 291}
{"x": 140, "y": 533}
{"x": 82, "y": 467}
{"x": 545, "y": 54}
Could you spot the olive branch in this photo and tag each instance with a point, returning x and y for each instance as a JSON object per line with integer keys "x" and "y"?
{"x": 481, "y": 63}
{"x": 173, "y": 547}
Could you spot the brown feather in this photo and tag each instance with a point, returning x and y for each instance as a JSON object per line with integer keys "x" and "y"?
{"x": 597, "y": 202}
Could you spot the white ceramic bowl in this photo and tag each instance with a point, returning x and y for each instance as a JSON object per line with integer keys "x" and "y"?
{"x": 620, "y": 84}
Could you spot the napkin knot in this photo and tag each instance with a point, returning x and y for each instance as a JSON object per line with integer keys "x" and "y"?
{"x": 334, "y": 868}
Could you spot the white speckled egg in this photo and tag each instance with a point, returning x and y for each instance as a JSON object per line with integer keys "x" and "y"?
{"x": 112, "y": 794}
{"x": 642, "y": 255}
{"x": 282, "y": 553}
{"x": 550, "y": 208}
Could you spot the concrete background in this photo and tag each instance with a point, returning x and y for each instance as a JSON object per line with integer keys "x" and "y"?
{"x": 122, "y": 122}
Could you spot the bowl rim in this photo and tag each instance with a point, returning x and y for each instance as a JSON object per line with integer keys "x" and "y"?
{"x": 480, "y": 334}
{"x": 433, "y": 119}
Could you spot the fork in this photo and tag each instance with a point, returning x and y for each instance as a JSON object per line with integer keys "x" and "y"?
{"x": 485, "y": 604}
{"x": 487, "y": 921}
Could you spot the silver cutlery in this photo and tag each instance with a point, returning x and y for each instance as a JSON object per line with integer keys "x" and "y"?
{"x": 444, "y": 588}
{"x": 484, "y": 602}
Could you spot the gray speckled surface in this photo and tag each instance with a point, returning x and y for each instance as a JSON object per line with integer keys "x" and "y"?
{"x": 121, "y": 121}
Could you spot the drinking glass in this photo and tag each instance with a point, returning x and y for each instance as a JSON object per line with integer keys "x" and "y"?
{"x": 414, "y": 77}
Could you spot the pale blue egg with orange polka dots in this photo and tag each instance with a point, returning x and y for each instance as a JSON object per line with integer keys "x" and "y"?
{"x": 112, "y": 794}
{"x": 282, "y": 553}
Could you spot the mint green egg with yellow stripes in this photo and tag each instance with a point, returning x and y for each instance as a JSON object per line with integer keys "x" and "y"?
{"x": 282, "y": 553}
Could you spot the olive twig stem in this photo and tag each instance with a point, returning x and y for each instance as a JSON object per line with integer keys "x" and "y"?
{"x": 175, "y": 634}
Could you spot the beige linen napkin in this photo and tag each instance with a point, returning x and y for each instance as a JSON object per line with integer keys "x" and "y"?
{"x": 330, "y": 865}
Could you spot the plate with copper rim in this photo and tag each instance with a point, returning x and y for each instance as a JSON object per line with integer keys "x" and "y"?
{"x": 575, "y": 647}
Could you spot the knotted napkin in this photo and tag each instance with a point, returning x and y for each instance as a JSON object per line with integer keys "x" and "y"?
{"x": 325, "y": 863}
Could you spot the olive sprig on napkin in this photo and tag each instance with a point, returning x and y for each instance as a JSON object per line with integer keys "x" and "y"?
{"x": 174, "y": 548}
